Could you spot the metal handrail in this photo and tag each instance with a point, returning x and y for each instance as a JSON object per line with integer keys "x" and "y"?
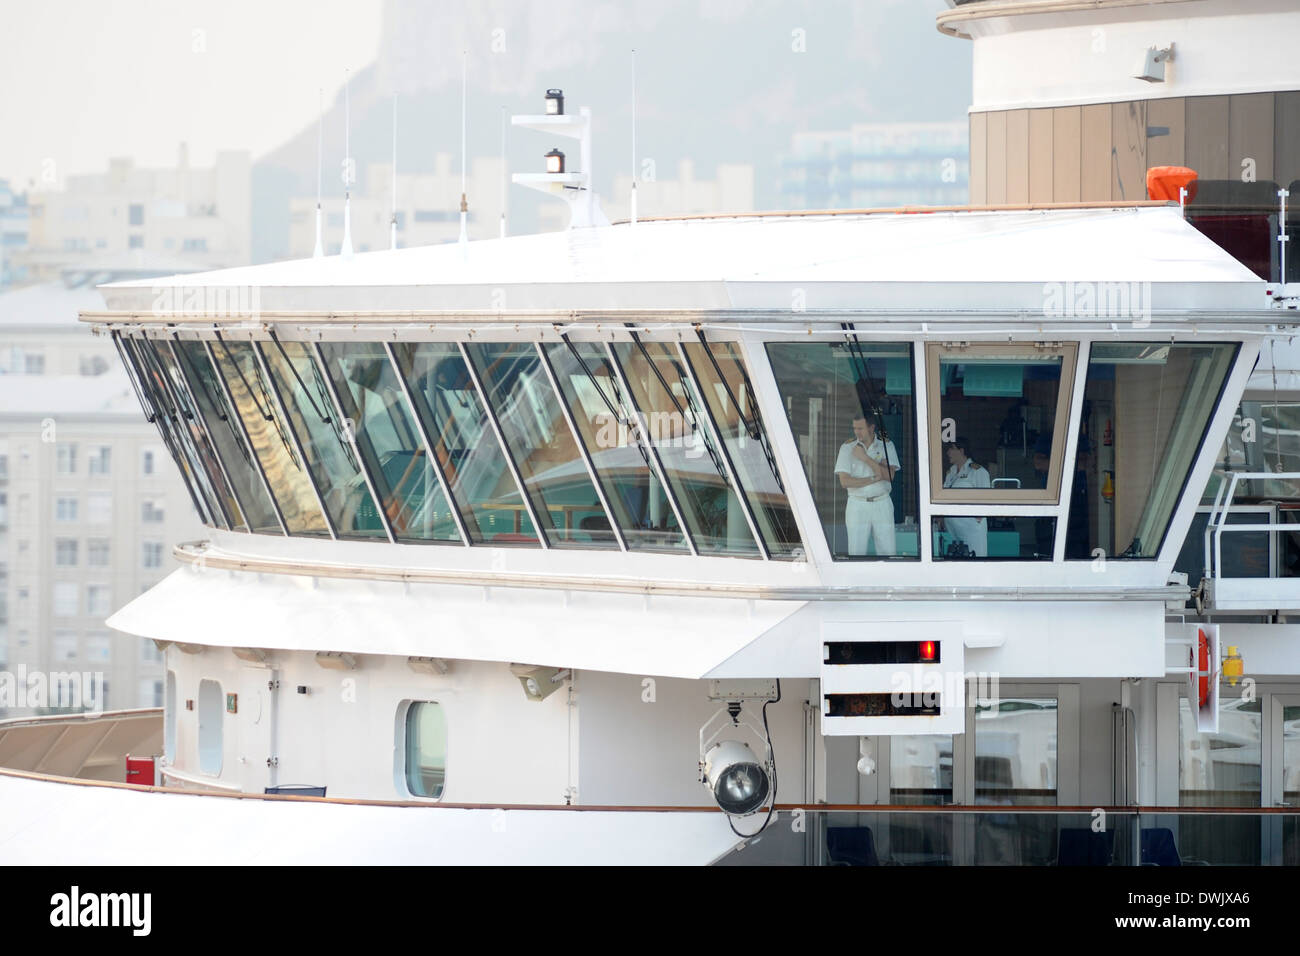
{"x": 1218, "y": 521}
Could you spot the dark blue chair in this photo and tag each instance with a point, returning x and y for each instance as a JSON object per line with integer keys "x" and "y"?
{"x": 851, "y": 846}
{"x": 1158, "y": 848}
{"x": 1083, "y": 847}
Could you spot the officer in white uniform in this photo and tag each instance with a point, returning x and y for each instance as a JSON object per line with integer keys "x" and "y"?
{"x": 866, "y": 467}
{"x": 965, "y": 473}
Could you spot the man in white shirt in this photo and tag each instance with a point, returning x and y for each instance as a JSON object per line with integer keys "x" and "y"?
{"x": 866, "y": 467}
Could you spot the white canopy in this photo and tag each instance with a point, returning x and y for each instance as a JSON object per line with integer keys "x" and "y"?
{"x": 665, "y": 636}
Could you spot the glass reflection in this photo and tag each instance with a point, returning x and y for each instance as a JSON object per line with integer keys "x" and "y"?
{"x": 466, "y": 448}
{"x": 1015, "y": 765}
{"x": 730, "y": 396}
{"x": 310, "y": 411}
{"x": 838, "y": 399}
{"x": 199, "y": 443}
{"x": 1221, "y": 770}
{"x": 635, "y": 494}
{"x": 226, "y": 436}
{"x": 154, "y": 382}
{"x": 995, "y": 537}
{"x": 389, "y": 441}
{"x": 1002, "y": 406}
{"x": 1146, "y": 408}
{"x": 670, "y": 411}
{"x": 543, "y": 448}
{"x": 284, "y": 469}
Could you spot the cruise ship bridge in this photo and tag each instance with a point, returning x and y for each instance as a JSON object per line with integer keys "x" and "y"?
{"x": 489, "y": 522}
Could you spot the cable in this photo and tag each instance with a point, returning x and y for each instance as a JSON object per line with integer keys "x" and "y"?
{"x": 771, "y": 759}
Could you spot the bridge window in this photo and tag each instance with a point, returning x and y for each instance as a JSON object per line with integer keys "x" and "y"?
{"x": 168, "y": 418}
{"x": 995, "y": 537}
{"x": 729, "y": 394}
{"x": 389, "y": 441}
{"x": 284, "y": 470}
{"x": 542, "y": 445}
{"x": 671, "y": 412}
{"x": 426, "y": 749}
{"x": 224, "y": 429}
{"x": 464, "y": 445}
{"x": 853, "y": 414}
{"x": 310, "y": 410}
{"x": 997, "y": 421}
{"x": 637, "y": 498}
{"x": 1146, "y": 408}
{"x": 189, "y": 427}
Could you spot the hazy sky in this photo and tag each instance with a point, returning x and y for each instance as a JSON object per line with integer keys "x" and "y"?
{"x": 719, "y": 80}
{"x": 83, "y": 80}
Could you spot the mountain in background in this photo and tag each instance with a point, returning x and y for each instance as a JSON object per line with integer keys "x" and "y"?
{"x": 717, "y": 81}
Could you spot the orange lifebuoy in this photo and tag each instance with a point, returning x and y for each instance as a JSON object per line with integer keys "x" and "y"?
{"x": 1163, "y": 182}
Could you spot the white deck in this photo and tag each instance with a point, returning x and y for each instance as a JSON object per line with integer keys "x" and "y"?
{"x": 50, "y": 823}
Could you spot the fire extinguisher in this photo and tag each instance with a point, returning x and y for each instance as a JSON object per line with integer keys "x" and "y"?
{"x": 1107, "y": 438}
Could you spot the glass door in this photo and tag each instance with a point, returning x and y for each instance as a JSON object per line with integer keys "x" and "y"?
{"x": 1284, "y": 727}
{"x": 1023, "y": 751}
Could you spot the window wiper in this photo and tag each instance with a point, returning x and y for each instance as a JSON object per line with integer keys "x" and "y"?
{"x": 755, "y": 427}
{"x": 619, "y": 416}
{"x": 301, "y": 384}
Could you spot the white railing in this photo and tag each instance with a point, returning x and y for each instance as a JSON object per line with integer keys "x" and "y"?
{"x": 1222, "y": 508}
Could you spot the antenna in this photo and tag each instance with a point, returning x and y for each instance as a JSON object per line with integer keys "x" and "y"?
{"x": 633, "y": 201}
{"x": 392, "y": 223}
{"x": 346, "y": 250}
{"x": 464, "y": 204}
{"x": 505, "y": 175}
{"x": 320, "y": 125}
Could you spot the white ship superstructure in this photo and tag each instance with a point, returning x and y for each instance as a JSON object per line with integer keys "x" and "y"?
{"x": 878, "y": 509}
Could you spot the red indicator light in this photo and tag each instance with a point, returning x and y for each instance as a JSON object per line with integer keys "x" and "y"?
{"x": 927, "y": 650}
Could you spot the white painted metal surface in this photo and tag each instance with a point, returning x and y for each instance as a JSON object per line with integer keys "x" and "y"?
{"x": 988, "y": 260}
{"x": 114, "y": 827}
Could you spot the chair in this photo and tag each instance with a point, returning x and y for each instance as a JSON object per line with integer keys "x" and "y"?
{"x": 296, "y": 790}
{"x": 1083, "y": 847}
{"x": 1158, "y": 848}
{"x": 851, "y": 846}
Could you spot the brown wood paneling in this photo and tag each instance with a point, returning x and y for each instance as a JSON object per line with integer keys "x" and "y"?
{"x": 1095, "y": 152}
{"x": 1286, "y": 147}
{"x": 1128, "y": 136}
{"x": 997, "y": 157}
{"x": 1018, "y": 156}
{"x": 1207, "y": 137}
{"x": 979, "y": 166}
{"x": 1040, "y": 155}
{"x": 1066, "y": 152}
{"x": 1250, "y": 134}
{"x": 1166, "y": 132}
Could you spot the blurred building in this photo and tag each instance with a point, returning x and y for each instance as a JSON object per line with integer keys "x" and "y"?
{"x": 200, "y": 213}
{"x": 731, "y": 190}
{"x": 871, "y": 165}
{"x": 15, "y": 224}
{"x": 428, "y": 208}
{"x": 89, "y": 502}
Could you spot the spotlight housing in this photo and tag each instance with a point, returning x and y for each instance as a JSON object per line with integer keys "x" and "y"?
{"x": 555, "y": 161}
{"x": 555, "y": 102}
{"x": 738, "y": 780}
